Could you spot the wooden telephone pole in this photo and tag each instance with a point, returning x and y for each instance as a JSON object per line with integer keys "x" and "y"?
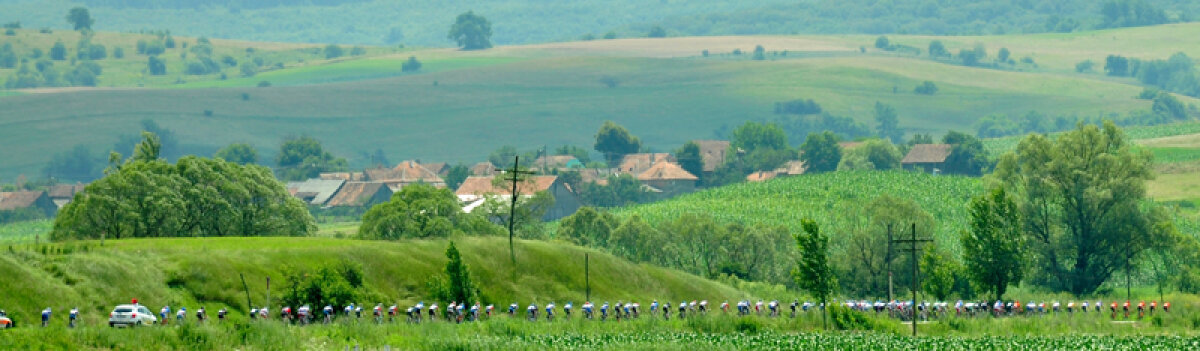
{"x": 514, "y": 176}
{"x": 915, "y": 285}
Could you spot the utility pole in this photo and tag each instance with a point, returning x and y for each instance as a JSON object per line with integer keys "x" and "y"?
{"x": 915, "y": 285}
{"x": 587, "y": 278}
{"x": 515, "y": 173}
{"x": 888, "y": 257}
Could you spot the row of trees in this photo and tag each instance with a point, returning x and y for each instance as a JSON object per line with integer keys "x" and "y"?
{"x": 693, "y": 243}
{"x": 1175, "y": 74}
{"x": 144, "y": 196}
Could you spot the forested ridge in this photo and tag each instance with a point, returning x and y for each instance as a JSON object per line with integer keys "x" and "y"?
{"x": 424, "y": 23}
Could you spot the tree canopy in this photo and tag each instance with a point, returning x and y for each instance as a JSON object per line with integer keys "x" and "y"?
{"x": 614, "y": 142}
{"x": 417, "y": 211}
{"x": 80, "y": 18}
{"x": 471, "y": 31}
{"x": 813, "y": 272}
{"x": 148, "y": 197}
{"x": 1081, "y": 199}
{"x": 240, "y": 153}
{"x": 820, "y": 152}
{"x": 303, "y": 157}
{"x": 994, "y": 248}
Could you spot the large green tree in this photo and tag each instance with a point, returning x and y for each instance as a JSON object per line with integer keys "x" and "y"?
{"x": 588, "y": 227}
{"x": 820, "y": 152}
{"x": 760, "y": 147}
{"x": 240, "y": 153}
{"x": 417, "y": 211}
{"x": 690, "y": 159}
{"x": 865, "y": 241}
{"x": 471, "y": 31}
{"x": 967, "y": 155}
{"x": 458, "y": 285}
{"x": 994, "y": 247}
{"x": 874, "y": 154}
{"x": 303, "y": 158}
{"x": 1082, "y": 202}
{"x": 80, "y": 18}
{"x": 813, "y": 272}
{"x": 614, "y": 142}
{"x": 148, "y": 197}
{"x": 887, "y": 124}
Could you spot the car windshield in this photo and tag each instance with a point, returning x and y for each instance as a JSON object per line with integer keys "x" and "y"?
{"x": 123, "y": 310}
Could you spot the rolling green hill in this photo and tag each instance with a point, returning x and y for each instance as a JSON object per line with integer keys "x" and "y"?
{"x": 462, "y": 105}
{"x": 205, "y": 272}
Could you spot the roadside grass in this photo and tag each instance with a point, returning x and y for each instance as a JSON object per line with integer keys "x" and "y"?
{"x": 195, "y": 272}
{"x": 714, "y": 331}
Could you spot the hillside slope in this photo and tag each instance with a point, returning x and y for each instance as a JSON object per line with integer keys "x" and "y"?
{"x": 205, "y": 272}
{"x": 469, "y": 103}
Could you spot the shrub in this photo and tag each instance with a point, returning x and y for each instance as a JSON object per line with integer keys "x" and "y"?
{"x": 333, "y": 51}
{"x": 97, "y": 52}
{"x": 10, "y": 32}
{"x": 358, "y": 51}
{"x": 264, "y": 84}
{"x": 926, "y": 88}
{"x": 156, "y": 66}
{"x": 412, "y": 65}
{"x": 118, "y": 52}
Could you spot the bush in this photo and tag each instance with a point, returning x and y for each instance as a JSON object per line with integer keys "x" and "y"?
{"x": 229, "y": 61}
{"x": 58, "y": 52}
{"x": 141, "y": 47}
{"x": 358, "y": 51}
{"x": 412, "y": 65}
{"x": 926, "y": 88}
{"x": 1085, "y": 66}
{"x": 248, "y": 69}
{"x": 264, "y": 84}
{"x": 657, "y": 32}
{"x": 333, "y": 51}
{"x": 97, "y": 52}
{"x": 156, "y": 66}
{"x": 154, "y": 48}
{"x": 10, "y": 32}
{"x": 118, "y": 52}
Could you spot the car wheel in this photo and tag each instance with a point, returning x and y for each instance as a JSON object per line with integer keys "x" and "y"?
{"x": 139, "y": 323}
{"x": 110, "y": 324}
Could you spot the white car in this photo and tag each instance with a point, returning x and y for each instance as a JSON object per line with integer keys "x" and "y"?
{"x": 131, "y": 315}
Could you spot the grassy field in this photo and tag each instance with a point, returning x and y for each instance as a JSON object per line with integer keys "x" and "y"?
{"x": 205, "y": 272}
{"x": 788, "y": 200}
{"x": 713, "y": 332}
{"x": 25, "y": 232}
{"x": 464, "y": 107}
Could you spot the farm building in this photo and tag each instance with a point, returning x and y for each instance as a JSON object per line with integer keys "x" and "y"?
{"x": 63, "y": 193}
{"x": 712, "y": 153}
{"x": 670, "y": 178}
{"x": 28, "y": 200}
{"x": 360, "y": 194}
{"x": 483, "y": 169}
{"x": 635, "y": 164}
{"x": 407, "y": 172}
{"x": 929, "y": 158}
{"x": 475, "y": 190}
{"x": 315, "y": 192}
{"x": 556, "y": 162}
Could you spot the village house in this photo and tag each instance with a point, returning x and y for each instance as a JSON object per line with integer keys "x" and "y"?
{"x": 712, "y": 154}
{"x": 474, "y": 191}
{"x": 62, "y": 194}
{"x": 28, "y": 200}
{"x": 315, "y": 192}
{"x": 929, "y": 158}
{"x": 669, "y": 178}
{"x": 635, "y": 164}
{"x": 439, "y": 168}
{"x": 547, "y": 164}
{"x": 483, "y": 169}
{"x": 347, "y": 176}
{"x": 360, "y": 194}
{"x": 404, "y": 174}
